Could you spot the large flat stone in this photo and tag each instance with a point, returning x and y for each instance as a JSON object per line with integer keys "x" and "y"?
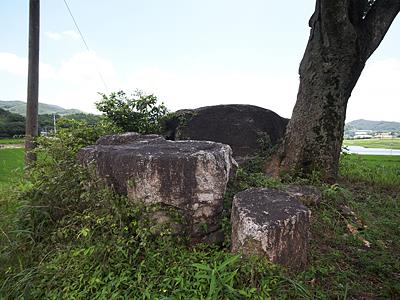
{"x": 271, "y": 223}
{"x": 190, "y": 176}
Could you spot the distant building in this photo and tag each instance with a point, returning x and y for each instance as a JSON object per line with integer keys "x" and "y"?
{"x": 384, "y": 135}
{"x": 363, "y": 134}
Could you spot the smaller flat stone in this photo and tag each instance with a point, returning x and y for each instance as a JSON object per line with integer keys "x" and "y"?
{"x": 271, "y": 223}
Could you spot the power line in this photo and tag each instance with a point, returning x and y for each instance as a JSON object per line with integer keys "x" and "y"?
{"x": 84, "y": 41}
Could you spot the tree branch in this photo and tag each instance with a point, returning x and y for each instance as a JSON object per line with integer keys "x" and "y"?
{"x": 357, "y": 10}
{"x": 377, "y": 22}
{"x": 335, "y": 20}
{"x": 333, "y": 12}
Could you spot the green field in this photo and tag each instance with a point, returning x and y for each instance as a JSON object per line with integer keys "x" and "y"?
{"x": 381, "y": 170}
{"x": 375, "y": 143}
{"x": 11, "y": 141}
{"x": 11, "y": 164}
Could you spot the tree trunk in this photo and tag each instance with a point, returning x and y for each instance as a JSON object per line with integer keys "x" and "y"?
{"x": 337, "y": 51}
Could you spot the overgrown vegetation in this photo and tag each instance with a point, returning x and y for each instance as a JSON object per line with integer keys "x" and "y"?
{"x": 65, "y": 235}
{"x": 72, "y": 237}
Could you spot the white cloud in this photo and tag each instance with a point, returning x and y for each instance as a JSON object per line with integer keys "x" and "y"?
{"x": 376, "y": 96}
{"x": 76, "y": 82}
{"x": 377, "y": 93}
{"x": 54, "y": 35}
{"x": 66, "y": 34}
{"x": 81, "y": 81}
{"x": 86, "y": 67}
{"x": 180, "y": 90}
{"x": 73, "y": 84}
{"x": 71, "y": 34}
{"x": 13, "y": 64}
{"x": 16, "y": 65}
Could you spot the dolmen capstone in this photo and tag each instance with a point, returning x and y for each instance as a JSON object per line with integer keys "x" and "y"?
{"x": 271, "y": 223}
{"x": 189, "y": 176}
{"x": 246, "y": 128}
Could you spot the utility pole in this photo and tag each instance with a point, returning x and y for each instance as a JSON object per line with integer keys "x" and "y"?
{"x": 54, "y": 124}
{"x": 32, "y": 104}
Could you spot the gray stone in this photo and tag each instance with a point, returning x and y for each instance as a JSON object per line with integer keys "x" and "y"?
{"x": 271, "y": 223}
{"x": 306, "y": 194}
{"x": 243, "y": 127}
{"x": 190, "y": 176}
{"x": 126, "y": 138}
{"x": 163, "y": 220}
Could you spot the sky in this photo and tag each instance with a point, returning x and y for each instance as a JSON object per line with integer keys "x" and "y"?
{"x": 189, "y": 53}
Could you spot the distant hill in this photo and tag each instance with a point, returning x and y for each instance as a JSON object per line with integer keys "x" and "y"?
{"x": 11, "y": 124}
{"x": 373, "y": 125}
{"x": 19, "y": 107}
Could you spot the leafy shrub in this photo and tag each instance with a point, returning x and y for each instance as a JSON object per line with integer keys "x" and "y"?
{"x": 139, "y": 113}
{"x": 56, "y": 180}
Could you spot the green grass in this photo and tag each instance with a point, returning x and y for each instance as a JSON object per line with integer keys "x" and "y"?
{"x": 96, "y": 248}
{"x": 11, "y": 141}
{"x": 11, "y": 164}
{"x": 382, "y": 170}
{"x": 375, "y": 143}
{"x": 341, "y": 264}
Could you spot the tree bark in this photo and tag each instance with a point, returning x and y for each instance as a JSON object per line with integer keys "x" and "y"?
{"x": 33, "y": 81}
{"x": 344, "y": 33}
